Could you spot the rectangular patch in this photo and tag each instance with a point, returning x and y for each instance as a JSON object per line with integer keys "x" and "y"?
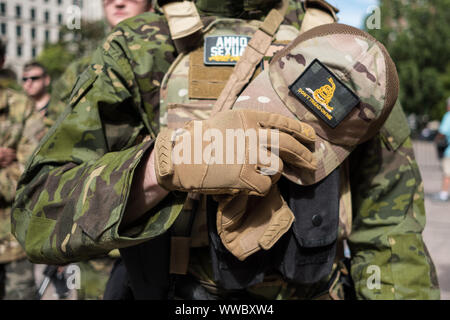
{"x": 324, "y": 94}
{"x": 224, "y": 50}
{"x": 206, "y": 82}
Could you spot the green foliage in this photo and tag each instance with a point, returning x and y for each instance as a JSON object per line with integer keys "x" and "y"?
{"x": 56, "y": 58}
{"x": 416, "y": 34}
{"x": 73, "y": 44}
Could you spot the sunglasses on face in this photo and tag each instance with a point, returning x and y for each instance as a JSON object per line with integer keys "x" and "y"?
{"x": 34, "y": 78}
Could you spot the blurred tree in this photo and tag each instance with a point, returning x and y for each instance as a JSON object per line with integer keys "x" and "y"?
{"x": 72, "y": 44}
{"x": 56, "y": 57}
{"x": 416, "y": 34}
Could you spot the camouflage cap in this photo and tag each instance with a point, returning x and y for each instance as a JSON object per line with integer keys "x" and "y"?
{"x": 338, "y": 79}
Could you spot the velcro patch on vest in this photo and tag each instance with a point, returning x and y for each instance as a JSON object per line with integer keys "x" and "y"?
{"x": 206, "y": 82}
{"x": 324, "y": 94}
{"x": 224, "y": 50}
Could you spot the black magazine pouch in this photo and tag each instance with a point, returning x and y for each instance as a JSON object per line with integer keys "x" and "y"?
{"x": 310, "y": 244}
{"x": 304, "y": 255}
{"x": 147, "y": 266}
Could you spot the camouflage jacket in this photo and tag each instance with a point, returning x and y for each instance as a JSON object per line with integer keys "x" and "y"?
{"x": 72, "y": 197}
{"x": 15, "y": 109}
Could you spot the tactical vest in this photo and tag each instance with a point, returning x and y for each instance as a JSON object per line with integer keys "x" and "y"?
{"x": 197, "y": 78}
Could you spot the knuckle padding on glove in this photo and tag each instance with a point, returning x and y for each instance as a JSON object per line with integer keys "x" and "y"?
{"x": 280, "y": 223}
{"x": 164, "y": 151}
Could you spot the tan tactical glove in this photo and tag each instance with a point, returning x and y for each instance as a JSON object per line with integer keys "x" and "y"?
{"x": 181, "y": 162}
{"x": 246, "y": 223}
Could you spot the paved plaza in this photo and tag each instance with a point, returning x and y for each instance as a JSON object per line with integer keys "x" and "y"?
{"x": 437, "y": 229}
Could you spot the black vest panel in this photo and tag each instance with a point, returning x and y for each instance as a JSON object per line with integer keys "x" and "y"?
{"x": 304, "y": 255}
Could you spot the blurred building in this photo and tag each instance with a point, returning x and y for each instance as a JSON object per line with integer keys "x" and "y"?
{"x": 26, "y": 25}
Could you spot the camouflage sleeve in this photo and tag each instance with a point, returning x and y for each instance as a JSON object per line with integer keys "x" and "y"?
{"x": 62, "y": 87}
{"x": 71, "y": 199}
{"x": 389, "y": 257}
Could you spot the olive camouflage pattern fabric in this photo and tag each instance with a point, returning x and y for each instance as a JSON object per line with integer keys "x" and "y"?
{"x": 233, "y": 8}
{"x": 389, "y": 217}
{"x": 15, "y": 109}
{"x": 62, "y": 87}
{"x": 94, "y": 272}
{"x": 72, "y": 197}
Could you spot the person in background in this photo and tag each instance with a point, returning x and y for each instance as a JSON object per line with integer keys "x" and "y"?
{"x": 16, "y": 272}
{"x": 444, "y": 133}
{"x": 36, "y": 83}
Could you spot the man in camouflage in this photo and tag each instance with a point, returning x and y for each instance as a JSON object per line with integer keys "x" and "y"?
{"x": 16, "y": 272}
{"x": 91, "y": 185}
{"x": 36, "y": 82}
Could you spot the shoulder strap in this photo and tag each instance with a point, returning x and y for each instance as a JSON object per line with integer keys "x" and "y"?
{"x": 252, "y": 56}
{"x": 317, "y": 12}
{"x": 184, "y": 23}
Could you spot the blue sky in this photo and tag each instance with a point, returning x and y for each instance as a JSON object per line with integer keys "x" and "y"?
{"x": 353, "y": 12}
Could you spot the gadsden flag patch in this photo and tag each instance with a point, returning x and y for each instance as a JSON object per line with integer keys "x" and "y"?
{"x": 324, "y": 94}
{"x": 224, "y": 50}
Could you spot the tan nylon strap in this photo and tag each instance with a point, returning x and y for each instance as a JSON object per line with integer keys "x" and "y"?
{"x": 272, "y": 22}
{"x": 184, "y": 23}
{"x": 317, "y": 13}
{"x": 314, "y": 18}
{"x": 252, "y": 56}
{"x": 345, "y": 201}
{"x": 242, "y": 71}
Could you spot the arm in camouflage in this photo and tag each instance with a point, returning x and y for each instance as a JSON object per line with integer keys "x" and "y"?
{"x": 62, "y": 87}
{"x": 388, "y": 218}
{"x": 71, "y": 199}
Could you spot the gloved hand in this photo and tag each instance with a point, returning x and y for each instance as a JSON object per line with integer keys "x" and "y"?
{"x": 251, "y": 175}
{"x": 247, "y": 224}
